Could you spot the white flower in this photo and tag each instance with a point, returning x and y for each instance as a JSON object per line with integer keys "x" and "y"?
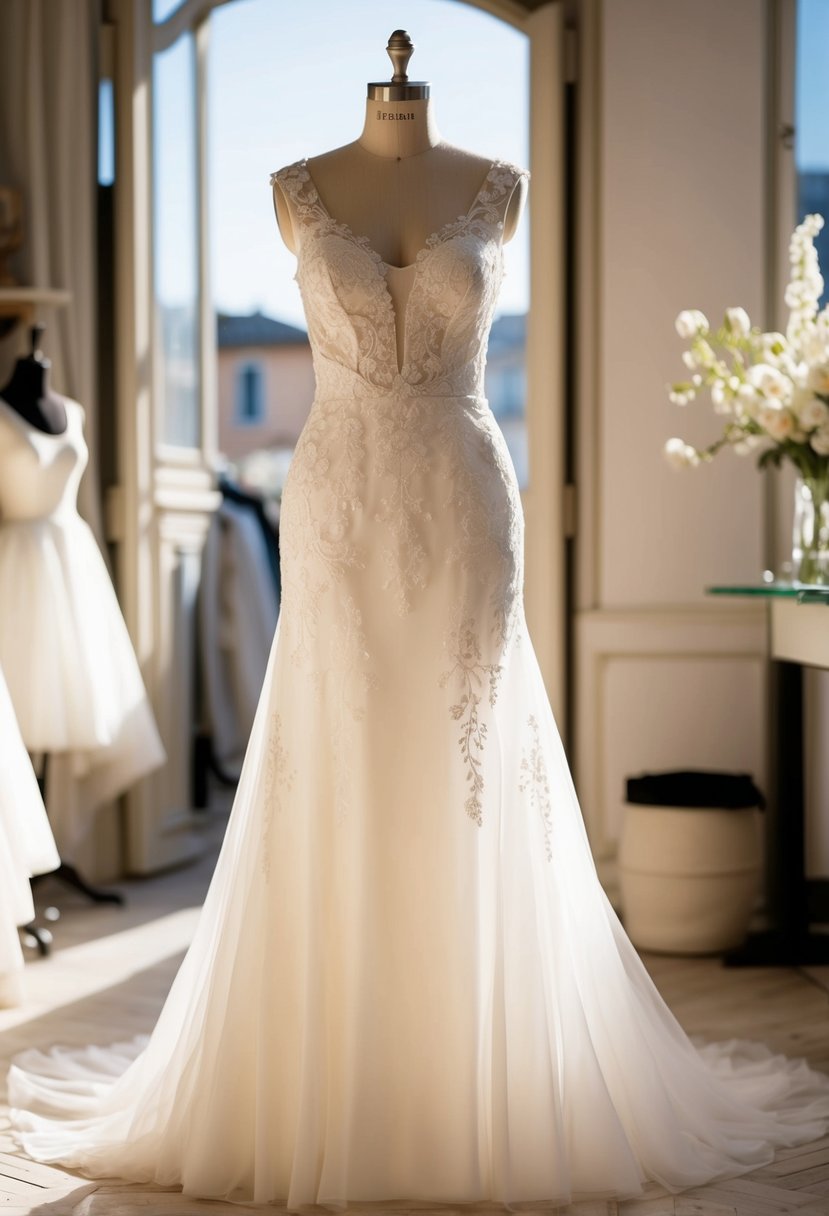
{"x": 815, "y": 345}
{"x": 689, "y": 359}
{"x": 798, "y": 373}
{"x": 680, "y": 454}
{"x": 720, "y": 397}
{"x": 770, "y": 381}
{"x": 749, "y": 399}
{"x": 819, "y": 442}
{"x": 682, "y": 397}
{"x": 776, "y": 422}
{"x": 806, "y": 285}
{"x": 811, "y": 411}
{"x": 737, "y": 321}
{"x": 773, "y": 345}
{"x": 691, "y": 322}
{"x": 817, "y": 378}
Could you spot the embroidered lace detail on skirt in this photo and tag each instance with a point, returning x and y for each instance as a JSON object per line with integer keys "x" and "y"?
{"x": 536, "y": 783}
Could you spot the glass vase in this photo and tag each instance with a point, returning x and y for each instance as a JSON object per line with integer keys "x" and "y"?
{"x": 810, "y": 539}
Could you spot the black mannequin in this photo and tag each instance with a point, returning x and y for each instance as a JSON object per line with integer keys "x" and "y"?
{"x": 28, "y": 390}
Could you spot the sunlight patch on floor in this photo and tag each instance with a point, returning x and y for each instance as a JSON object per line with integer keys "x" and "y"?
{"x": 80, "y": 971}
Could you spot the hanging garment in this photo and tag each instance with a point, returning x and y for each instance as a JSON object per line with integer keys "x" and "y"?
{"x": 27, "y": 847}
{"x": 64, "y": 647}
{"x": 238, "y": 609}
{"x": 407, "y": 983}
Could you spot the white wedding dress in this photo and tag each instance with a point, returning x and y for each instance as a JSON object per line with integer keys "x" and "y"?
{"x": 27, "y": 847}
{"x": 68, "y": 659}
{"x": 407, "y": 983}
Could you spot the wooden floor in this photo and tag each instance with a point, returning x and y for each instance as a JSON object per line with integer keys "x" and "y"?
{"x": 111, "y": 969}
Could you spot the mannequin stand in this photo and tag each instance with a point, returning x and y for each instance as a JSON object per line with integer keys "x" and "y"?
{"x": 68, "y": 875}
{"x": 35, "y": 935}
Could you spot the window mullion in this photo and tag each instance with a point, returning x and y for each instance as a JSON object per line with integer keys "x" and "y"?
{"x": 207, "y": 322}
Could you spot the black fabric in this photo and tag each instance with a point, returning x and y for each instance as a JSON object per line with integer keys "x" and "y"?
{"x": 253, "y": 503}
{"x": 722, "y": 791}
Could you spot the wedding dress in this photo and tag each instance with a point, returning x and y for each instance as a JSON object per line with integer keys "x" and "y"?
{"x": 27, "y": 847}
{"x": 68, "y": 659}
{"x": 407, "y": 983}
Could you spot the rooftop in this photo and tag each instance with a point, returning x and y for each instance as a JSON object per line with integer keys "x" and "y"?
{"x": 256, "y": 329}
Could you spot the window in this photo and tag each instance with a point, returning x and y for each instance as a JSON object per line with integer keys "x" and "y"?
{"x": 106, "y": 133}
{"x": 177, "y": 287}
{"x": 250, "y": 395}
{"x": 811, "y": 105}
{"x": 162, "y": 9}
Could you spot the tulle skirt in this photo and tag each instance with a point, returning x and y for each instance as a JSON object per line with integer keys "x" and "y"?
{"x": 27, "y": 847}
{"x": 71, "y": 669}
{"x": 407, "y": 983}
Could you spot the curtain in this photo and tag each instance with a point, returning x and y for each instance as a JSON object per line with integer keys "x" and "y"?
{"x": 49, "y": 150}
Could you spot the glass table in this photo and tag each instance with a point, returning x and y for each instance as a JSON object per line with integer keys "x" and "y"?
{"x": 798, "y": 637}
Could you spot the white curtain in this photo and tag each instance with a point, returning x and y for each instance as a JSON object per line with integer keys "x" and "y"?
{"x": 48, "y": 150}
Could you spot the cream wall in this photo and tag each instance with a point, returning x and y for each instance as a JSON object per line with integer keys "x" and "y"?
{"x": 289, "y": 390}
{"x": 673, "y": 214}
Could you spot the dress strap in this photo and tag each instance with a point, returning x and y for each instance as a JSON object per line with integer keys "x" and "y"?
{"x": 298, "y": 187}
{"x": 490, "y": 207}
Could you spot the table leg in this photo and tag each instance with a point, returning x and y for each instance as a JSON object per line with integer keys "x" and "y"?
{"x": 788, "y": 942}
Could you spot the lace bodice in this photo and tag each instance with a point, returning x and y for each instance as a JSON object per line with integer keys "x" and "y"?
{"x": 352, "y": 324}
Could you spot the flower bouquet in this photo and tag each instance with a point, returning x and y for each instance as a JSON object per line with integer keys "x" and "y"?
{"x": 772, "y": 391}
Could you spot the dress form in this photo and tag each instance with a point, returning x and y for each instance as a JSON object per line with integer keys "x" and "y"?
{"x": 399, "y": 182}
{"x": 28, "y": 391}
{"x": 68, "y": 660}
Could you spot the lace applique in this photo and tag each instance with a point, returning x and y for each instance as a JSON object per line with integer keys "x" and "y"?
{"x": 536, "y": 783}
{"x": 474, "y": 678}
{"x": 352, "y": 324}
{"x": 484, "y": 494}
{"x": 278, "y": 778}
{"x": 322, "y": 491}
{"x": 403, "y": 441}
{"x": 348, "y": 681}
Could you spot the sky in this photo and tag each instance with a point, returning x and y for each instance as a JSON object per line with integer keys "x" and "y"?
{"x": 288, "y": 80}
{"x": 812, "y": 85}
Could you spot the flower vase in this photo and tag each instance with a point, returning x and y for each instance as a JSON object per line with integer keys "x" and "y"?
{"x": 810, "y": 539}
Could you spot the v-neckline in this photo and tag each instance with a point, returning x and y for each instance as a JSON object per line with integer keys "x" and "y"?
{"x": 431, "y": 239}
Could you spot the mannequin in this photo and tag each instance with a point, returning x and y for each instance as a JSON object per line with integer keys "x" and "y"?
{"x": 28, "y": 391}
{"x": 67, "y": 656}
{"x": 399, "y": 182}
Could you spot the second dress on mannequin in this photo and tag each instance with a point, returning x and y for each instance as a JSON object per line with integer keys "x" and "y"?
{"x": 71, "y": 670}
{"x": 27, "y": 847}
